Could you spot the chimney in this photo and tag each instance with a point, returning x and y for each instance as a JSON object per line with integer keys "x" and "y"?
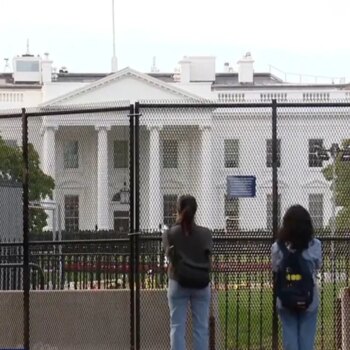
{"x": 185, "y": 65}
{"x": 246, "y": 69}
{"x": 7, "y": 66}
{"x": 46, "y": 69}
{"x": 226, "y": 67}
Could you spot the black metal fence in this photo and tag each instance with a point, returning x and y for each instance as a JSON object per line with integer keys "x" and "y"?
{"x": 176, "y": 148}
{"x": 241, "y": 281}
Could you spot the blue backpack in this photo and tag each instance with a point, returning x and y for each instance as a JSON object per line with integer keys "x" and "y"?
{"x": 294, "y": 280}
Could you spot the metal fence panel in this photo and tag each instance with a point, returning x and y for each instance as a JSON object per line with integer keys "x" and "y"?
{"x": 11, "y": 232}
{"x": 315, "y": 173}
{"x": 193, "y": 149}
{"x": 118, "y": 170}
{"x": 79, "y": 181}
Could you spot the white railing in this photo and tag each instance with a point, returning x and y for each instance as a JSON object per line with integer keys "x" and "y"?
{"x": 290, "y": 96}
{"x": 278, "y": 96}
{"x": 231, "y": 97}
{"x": 11, "y": 97}
{"x": 316, "y": 96}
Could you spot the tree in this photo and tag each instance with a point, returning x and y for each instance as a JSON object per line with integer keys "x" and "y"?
{"x": 342, "y": 185}
{"x": 40, "y": 185}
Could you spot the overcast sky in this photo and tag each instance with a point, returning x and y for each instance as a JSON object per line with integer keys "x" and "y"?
{"x": 302, "y": 36}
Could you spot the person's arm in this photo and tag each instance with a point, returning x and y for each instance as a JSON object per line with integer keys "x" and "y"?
{"x": 318, "y": 254}
{"x": 210, "y": 243}
{"x": 275, "y": 260}
{"x": 165, "y": 241}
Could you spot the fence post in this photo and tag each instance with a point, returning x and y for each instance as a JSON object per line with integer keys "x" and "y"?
{"x": 26, "y": 271}
{"x": 275, "y": 208}
{"x": 132, "y": 227}
{"x": 134, "y": 152}
{"x": 137, "y": 221}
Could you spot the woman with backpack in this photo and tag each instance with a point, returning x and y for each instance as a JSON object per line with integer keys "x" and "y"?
{"x": 296, "y": 258}
{"x": 188, "y": 248}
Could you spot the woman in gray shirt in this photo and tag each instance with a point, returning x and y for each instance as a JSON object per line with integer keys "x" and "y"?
{"x": 192, "y": 245}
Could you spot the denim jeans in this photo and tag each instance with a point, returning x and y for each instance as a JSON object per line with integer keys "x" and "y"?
{"x": 299, "y": 330}
{"x": 199, "y": 300}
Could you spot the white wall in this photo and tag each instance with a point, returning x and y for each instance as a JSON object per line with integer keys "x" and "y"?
{"x": 11, "y": 98}
{"x": 252, "y": 127}
{"x": 296, "y": 179}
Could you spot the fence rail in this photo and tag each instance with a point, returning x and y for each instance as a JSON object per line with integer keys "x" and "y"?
{"x": 241, "y": 279}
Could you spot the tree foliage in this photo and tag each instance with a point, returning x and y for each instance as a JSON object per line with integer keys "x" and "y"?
{"x": 342, "y": 188}
{"x": 40, "y": 185}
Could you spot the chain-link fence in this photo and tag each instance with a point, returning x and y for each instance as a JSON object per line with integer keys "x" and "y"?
{"x": 292, "y": 152}
{"x": 315, "y": 171}
{"x": 11, "y": 228}
{"x": 84, "y": 200}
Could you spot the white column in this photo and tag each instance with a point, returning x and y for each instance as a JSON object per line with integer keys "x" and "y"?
{"x": 155, "y": 196}
{"x": 102, "y": 178}
{"x": 206, "y": 200}
{"x": 49, "y": 163}
{"x": 49, "y": 148}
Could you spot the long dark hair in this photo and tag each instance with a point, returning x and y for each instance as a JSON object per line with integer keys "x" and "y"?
{"x": 297, "y": 228}
{"x": 186, "y": 210}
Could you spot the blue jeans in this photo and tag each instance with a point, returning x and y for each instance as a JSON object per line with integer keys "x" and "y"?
{"x": 299, "y": 330}
{"x": 178, "y": 299}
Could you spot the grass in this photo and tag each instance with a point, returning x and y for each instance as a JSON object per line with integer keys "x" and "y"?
{"x": 246, "y": 318}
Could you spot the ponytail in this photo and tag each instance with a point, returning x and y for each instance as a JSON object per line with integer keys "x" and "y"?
{"x": 187, "y": 219}
{"x": 187, "y": 207}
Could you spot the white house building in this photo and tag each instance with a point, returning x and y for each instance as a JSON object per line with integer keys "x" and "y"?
{"x": 181, "y": 150}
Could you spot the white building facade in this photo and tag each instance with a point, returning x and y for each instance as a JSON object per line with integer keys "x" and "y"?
{"x": 185, "y": 150}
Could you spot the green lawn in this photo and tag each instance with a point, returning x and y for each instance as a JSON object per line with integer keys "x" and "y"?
{"x": 244, "y": 327}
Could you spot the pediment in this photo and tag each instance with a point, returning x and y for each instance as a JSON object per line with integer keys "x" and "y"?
{"x": 316, "y": 184}
{"x": 125, "y": 85}
{"x": 172, "y": 185}
{"x": 70, "y": 184}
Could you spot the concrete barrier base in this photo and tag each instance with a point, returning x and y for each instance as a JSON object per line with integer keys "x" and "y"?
{"x": 87, "y": 320}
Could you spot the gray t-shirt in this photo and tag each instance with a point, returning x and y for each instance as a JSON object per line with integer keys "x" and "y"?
{"x": 194, "y": 247}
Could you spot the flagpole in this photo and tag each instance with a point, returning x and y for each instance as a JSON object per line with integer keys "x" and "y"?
{"x": 114, "y": 58}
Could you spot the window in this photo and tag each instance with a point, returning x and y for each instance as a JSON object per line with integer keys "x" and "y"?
{"x": 232, "y": 214}
{"x": 11, "y": 143}
{"x": 316, "y": 209}
{"x": 269, "y": 153}
{"x": 27, "y": 66}
{"x": 314, "y": 145}
{"x": 231, "y": 153}
{"x": 121, "y": 221}
{"x": 231, "y": 207}
{"x": 269, "y": 211}
{"x": 71, "y": 155}
{"x": 121, "y": 155}
{"x": 170, "y": 154}
{"x": 71, "y": 213}
{"x": 169, "y": 209}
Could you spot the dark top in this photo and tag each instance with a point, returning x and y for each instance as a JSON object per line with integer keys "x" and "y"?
{"x": 194, "y": 247}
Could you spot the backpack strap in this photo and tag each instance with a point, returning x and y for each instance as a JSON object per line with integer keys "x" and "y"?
{"x": 168, "y": 237}
{"x": 282, "y": 246}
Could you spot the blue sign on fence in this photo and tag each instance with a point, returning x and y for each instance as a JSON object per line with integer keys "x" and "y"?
{"x": 241, "y": 186}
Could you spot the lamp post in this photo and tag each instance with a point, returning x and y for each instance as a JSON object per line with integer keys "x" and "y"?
{"x": 124, "y": 194}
